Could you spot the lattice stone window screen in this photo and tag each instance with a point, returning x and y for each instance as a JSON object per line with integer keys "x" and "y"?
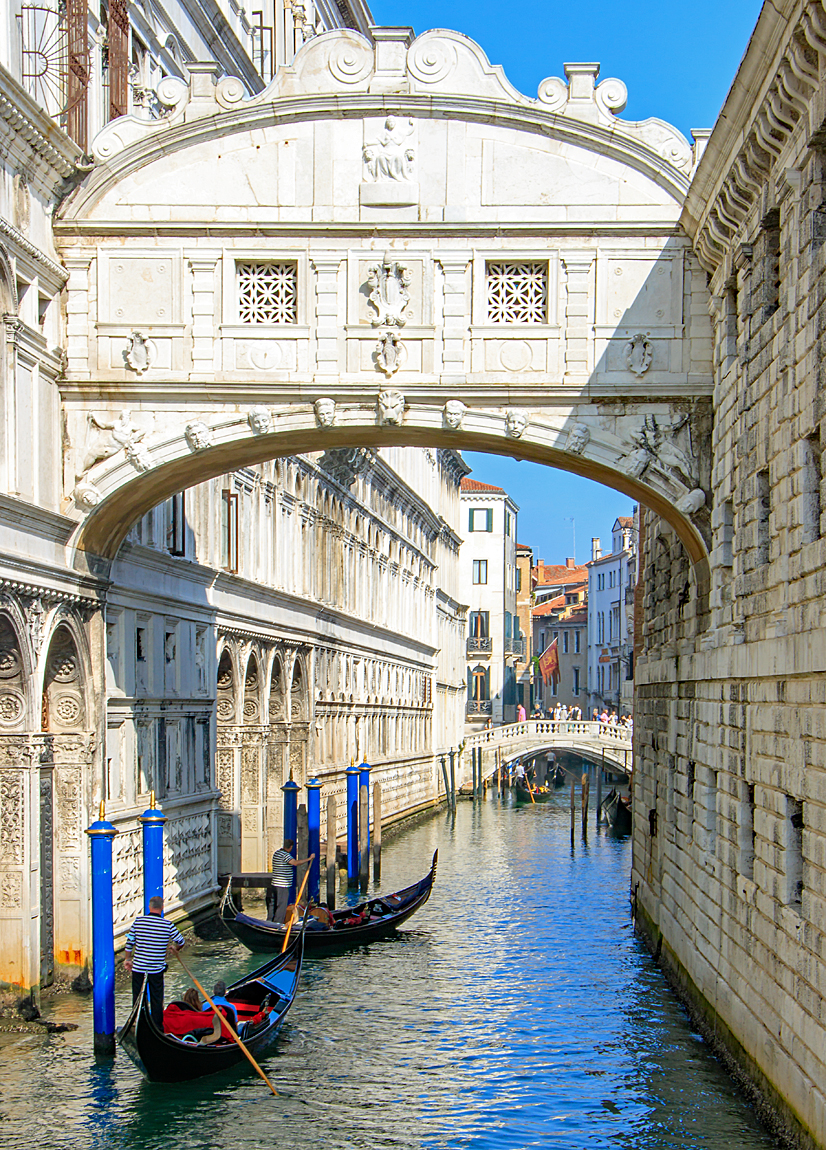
{"x": 267, "y": 292}
{"x": 517, "y": 292}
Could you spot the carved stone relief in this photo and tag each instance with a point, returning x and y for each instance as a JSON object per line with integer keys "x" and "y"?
{"x": 389, "y": 355}
{"x": 391, "y": 156}
{"x": 515, "y": 423}
{"x": 136, "y": 356}
{"x": 691, "y": 503}
{"x": 260, "y": 420}
{"x": 198, "y": 436}
{"x": 578, "y": 438}
{"x": 325, "y": 412}
{"x": 454, "y": 414}
{"x": 638, "y": 353}
{"x": 11, "y": 817}
{"x": 11, "y": 890}
{"x": 390, "y": 295}
{"x": 225, "y": 761}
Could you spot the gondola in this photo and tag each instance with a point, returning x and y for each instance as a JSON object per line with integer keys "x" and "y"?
{"x": 557, "y": 779}
{"x": 523, "y": 794}
{"x": 166, "y": 1058}
{"x": 617, "y": 811}
{"x": 379, "y": 917}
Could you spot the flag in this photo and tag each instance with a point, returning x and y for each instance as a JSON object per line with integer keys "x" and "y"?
{"x": 549, "y": 664}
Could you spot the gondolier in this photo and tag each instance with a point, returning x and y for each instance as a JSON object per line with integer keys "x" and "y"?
{"x": 147, "y": 943}
{"x": 278, "y": 896}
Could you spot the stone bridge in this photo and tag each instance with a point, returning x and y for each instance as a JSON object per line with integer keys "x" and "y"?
{"x": 599, "y": 743}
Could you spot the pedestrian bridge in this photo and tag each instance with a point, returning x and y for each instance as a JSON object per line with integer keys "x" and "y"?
{"x": 599, "y": 743}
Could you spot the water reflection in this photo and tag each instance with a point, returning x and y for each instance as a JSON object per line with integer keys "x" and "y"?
{"x": 517, "y": 1010}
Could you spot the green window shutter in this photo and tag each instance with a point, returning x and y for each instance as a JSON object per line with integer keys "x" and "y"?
{"x": 470, "y": 519}
{"x": 489, "y": 515}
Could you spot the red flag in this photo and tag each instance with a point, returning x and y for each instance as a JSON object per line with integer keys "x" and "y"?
{"x": 549, "y": 664}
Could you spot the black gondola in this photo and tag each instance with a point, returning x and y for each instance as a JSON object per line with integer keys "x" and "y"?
{"x": 379, "y": 916}
{"x": 617, "y": 811}
{"x": 557, "y": 779}
{"x": 166, "y": 1058}
{"x": 523, "y": 794}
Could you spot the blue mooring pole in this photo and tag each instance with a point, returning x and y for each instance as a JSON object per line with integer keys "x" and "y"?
{"x": 290, "y": 791}
{"x": 364, "y": 781}
{"x": 153, "y": 821}
{"x": 352, "y": 775}
{"x": 100, "y": 835}
{"x": 314, "y": 836}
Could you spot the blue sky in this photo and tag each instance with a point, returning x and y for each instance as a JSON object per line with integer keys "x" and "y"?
{"x": 677, "y": 64}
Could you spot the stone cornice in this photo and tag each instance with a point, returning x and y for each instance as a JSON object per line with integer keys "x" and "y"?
{"x": 39, "y": 131}
{"x": 16, "y": 237}
{"x": 770, "y": 96}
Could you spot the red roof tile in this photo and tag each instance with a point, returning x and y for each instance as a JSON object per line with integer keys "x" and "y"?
{"x": 474, "y": 485}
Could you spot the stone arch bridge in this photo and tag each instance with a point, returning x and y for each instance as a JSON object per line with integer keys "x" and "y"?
{"x": 599, "y": 743}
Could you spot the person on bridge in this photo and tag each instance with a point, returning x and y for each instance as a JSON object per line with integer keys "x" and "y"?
{"x": 520, "y": 714}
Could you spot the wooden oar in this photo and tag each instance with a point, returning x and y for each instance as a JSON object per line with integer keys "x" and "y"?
{"x": 227, "y": 1023}
{"x": 530, "y": 788}
{"x": 297, "y": 901}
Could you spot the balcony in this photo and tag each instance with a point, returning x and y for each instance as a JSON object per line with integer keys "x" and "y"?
{"x": 479, "y": 707}
{"x": 477, "y": 646}
{"x": 515, "y": 647}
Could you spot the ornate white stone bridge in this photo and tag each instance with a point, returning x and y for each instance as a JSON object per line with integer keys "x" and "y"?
{"x": 599, "y": 743}
{"x": 388, "y": 245}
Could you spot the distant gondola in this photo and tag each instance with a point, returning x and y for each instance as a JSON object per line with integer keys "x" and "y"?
{"x": 352, "y": 926}
{"x": 166, "y": 1058}
{"x": 557, "y": 779}
{"x": 617, "y": 811}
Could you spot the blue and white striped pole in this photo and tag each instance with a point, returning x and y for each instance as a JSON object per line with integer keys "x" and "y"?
{"x": 290, "y": 791}
{"x": 152, "y": 821}
{"x": 352, "y": 775}
{"x": 100, "y": 835}
{"x": 314, "y": 837}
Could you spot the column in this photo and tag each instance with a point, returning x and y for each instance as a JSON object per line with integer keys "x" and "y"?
{"x": 204, "y": 329}
{"x": 455, "y": 315}
{"x": 579, "y": 319}
{"x": 326, "y": 315}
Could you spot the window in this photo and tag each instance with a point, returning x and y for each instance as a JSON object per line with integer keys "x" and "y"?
{"x": 577, "y": 643}
{"x": 175, "y": 525}
{"x": 575, "y": 686}
{"x": 763, "y": 515}
{"x": 480, "y": 519}
{"x": 518, "y": 578}
{"x": 508, "y": 523}
{"x": 478, "y": 681}
{"x": 229, "y": 531}
{"x": 267, "y": 292}
{"x": 517, "y": 293}
{"x": 565, "y": 640}
{"x": 480, "y": 570}
{"x": 480, "y": 624}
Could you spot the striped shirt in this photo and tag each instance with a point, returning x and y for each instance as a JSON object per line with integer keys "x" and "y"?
{"x": 148, "y": 940}
{"x": 282, "y": 868}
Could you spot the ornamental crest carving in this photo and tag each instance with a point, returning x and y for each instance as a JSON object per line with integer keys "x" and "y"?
{"x": 638, "y": 353}
{"x": 136, "y": 356}
{"x": 390, "y": 297}
{"x": 390, "y": 157}
{"x": 389, "y": 356}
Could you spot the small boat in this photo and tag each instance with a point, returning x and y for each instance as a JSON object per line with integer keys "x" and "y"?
{"x": 557, "y": 779}
{"x": 523, "y": 791}
{"x": 262, "y": 999}
{"x": 617, "y": 812}
{"x": 351, "y": 926}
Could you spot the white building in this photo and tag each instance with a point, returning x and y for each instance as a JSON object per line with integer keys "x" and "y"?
{"x": 612, "y": 579}
{"x": 488, "y": 574}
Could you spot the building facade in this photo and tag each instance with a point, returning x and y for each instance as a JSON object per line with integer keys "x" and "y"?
{"x": 612, "y": 581}
{"x": 563, "y": 619}
{"x": 523, "y": 662}
{"x": 488, "y": 566}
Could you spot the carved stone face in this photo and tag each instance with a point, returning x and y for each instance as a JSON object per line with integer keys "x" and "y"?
{"x": 325, "y": 412}
{"x": 515, "y": 423}
{"x": 86, "y": 496}
{"x": 578, "y": 438}
{"x": 691, "y": 503}
{"x": 260, "y": 420}
{"x": 391, "y": 407}
{"x": 198, "y": 436}
{"x": 454, "y": 413}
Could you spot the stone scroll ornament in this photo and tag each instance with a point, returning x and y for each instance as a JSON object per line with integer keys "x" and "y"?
{"x": 198, "y": 436}
{"x": 390, "y": 297}
{"x": 390, "y": 157}
{"x": 390, "y": 408}
{"x": 325, "y": 412}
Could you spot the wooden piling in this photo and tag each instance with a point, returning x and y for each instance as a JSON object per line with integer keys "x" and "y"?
{"x": 364, "y": 852}
{"x": 599, "y": 795}
{"x": 377, "y": 832}
{"x": 586, "y": 790}
{"x": 573, "y": 808}
{"x": 332, "y": 825}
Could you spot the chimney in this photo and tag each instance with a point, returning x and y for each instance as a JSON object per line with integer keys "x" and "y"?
{"x": 596, "y": 550}
{"x": 570, "y": 564}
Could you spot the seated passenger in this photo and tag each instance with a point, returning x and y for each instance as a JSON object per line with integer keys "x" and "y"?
{"x": 219, "y": 991}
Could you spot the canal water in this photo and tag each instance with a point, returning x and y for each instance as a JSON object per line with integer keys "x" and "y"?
{"x": 518, "y": 1010}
